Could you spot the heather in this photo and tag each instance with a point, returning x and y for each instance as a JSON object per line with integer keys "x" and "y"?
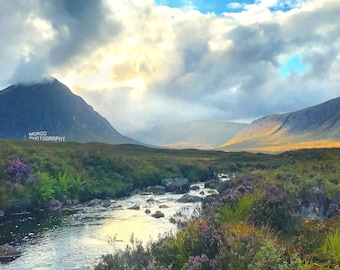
{"x": 276, "y": 211}
{"x": 32, "y": 173}
{"x": 279, "y": 218}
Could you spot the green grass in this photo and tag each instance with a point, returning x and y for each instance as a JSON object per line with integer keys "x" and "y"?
{"x": 238, "y": 211}
{"x": 331, "y": 245}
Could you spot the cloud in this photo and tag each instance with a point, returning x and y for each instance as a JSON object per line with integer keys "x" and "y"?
{"x": 41, "y": 35}
{"x": 140, "y": 64}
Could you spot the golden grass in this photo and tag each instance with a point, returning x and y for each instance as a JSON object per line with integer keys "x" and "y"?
{"x": 297, "y": 145}
{"x": 261, "y": 132}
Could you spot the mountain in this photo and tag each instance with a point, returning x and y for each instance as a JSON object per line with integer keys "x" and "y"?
{"x": 313, "y": 127}
{"x": 194, "y": 134}
{"x": 51, "y": 107}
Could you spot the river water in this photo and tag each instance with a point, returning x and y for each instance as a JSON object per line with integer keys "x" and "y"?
{"x": 77, "y": 240}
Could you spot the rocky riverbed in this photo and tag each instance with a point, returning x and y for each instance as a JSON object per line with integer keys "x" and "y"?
{"x": 76, "y": 238}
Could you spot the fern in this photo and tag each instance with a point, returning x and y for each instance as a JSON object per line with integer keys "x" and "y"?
{"x": 46, "y": 188}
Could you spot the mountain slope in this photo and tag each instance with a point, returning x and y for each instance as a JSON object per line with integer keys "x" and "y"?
{"x": 50, "y": 106}
{"x": 316, "y": 126}
{"x": 194, "y": 134}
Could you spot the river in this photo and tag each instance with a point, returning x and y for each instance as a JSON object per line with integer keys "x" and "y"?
{"x": 77, "y": 240}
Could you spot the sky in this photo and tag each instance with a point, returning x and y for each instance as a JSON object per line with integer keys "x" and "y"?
{"x": 140, "y": 63}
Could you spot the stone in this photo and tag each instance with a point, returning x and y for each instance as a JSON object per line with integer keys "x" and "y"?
{"x": 151, "y": 200}
{"x": 94, "y": 202}
{"x": 158, "y": 189}
{"x": 158, "y": 214}
{"x": 195, "y": 187}
{"x": 163, "y": 206}
{"x": 189, "y": 199}
{"x": 8, "y": 253}
{"x": 106, "y": 203}
{"x": 211, "y": 183}
{"x": 147, "y": 211}
{"x": 176, "y": 185}
{"x": 135, "y": 207}
{"x": 53, "y": 205}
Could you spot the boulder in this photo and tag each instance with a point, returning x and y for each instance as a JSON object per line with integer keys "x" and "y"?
{"x": 53, "y": 205}
{"x": 176, "y": 185}
{"x": 19, "y": 206}
{"x": 158, "y": 189}
{"x": 8, "y": 253}
{"x": 151, "y": 200}
{"x": 211, "y": 183}
{"x": 94, "y": 202}
{"x": 189, "y": 199}
{"x": 106, "y": 203}
{"x": 212, "y": 192}
{"x": 333, "y": 210}
{"x": 158, "y": 214}
{"x": 135, "y": 207}
{"x": 147, "y": 211}
{"x": 195, "y": 187}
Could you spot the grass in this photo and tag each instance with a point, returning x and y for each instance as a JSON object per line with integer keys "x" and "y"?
{"x": 238, "y": 211}
{"x": 331, "y": 245}
{"x": 85, "y": 171}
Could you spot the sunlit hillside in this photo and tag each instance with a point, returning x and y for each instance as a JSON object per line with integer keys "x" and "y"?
{"x": 313, "y": 127}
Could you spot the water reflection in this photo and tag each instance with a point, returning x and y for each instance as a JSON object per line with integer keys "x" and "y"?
{"x": 77, "y": 240}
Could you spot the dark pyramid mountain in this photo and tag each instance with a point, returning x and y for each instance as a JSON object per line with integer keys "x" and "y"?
{"x": 193, "y": 134}
{"x": 51, "y": 106}
{"x": 316, "y": 126}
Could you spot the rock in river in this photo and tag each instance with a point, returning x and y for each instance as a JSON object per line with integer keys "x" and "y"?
{"x": 189, "y": 199}
{"x": 135, "y": 207}
{"x": 158, "y": 214}
{"x": 53, "y": 205}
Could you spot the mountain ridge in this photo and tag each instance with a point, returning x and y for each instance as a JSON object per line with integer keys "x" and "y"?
{"x": 191, "y": 134}
{"x": 293, "y": 130}
{"x": 51, "y": 106}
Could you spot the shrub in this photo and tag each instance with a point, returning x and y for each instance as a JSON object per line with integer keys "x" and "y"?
{"x": 196, "y": 239}
{"x": 269, "y": 258}
{"x": 277, "y": 210}
{"x": 199, "y": 262}
{"x": 133, "y": 257}
{"x": 240, "y": 246}
{"x": 18, "y": 171}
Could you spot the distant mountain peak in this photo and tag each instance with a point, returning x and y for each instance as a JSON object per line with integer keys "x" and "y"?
{"x": 52, "y": 107}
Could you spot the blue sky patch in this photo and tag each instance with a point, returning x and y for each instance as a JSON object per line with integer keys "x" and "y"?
{"x": 217, "y": 6}
{"x": 220, "y": 6}
{"x": 293, "y": 64}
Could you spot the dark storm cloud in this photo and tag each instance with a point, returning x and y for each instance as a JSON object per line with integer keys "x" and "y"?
{"x": 77, "y": 28}
{"x": 82, "y": 25}
{"x": 160, "y": 64}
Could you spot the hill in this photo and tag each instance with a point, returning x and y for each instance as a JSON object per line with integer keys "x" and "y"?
{"x": 194, "y": 134}
{"x": 51, "y": 107}
{"x": 313, "y": 127}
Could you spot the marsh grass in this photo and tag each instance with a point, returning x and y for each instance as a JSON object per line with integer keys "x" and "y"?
{"x": 331, "y": 246}
{"x": 236, "y": 211}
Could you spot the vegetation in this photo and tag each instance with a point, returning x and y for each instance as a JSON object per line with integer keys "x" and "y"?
{"x": 284, "y": 217}
{"x": 277, "y": 212}
{"x": 35, "y": 172}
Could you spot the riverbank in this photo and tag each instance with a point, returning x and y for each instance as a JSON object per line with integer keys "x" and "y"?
{"x": 96, "y": 228}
